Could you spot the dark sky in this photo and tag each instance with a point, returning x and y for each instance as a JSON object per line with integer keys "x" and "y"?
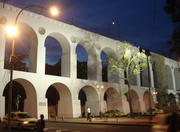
{"x": 141, "y": 22}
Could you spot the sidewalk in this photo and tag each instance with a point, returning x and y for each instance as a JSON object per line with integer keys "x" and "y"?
{"x": 108, "y": 121}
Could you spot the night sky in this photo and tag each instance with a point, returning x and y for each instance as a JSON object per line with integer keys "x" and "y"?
{"x": 140, "y": 22}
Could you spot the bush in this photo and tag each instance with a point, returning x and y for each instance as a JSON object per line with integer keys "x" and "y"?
{"x": 154, "y": 112}
{"x": 113, "y": 113}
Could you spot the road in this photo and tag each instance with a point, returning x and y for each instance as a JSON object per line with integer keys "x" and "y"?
{"x": 75, "y": 127}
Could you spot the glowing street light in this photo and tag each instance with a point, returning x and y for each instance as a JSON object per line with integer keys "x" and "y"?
{"x": 12, "y": 32}
{"x": 54, "y": 11}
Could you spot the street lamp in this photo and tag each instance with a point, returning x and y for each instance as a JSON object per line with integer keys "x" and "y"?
{"x": 12, "y": 32}
{"x": 148, "y": 54}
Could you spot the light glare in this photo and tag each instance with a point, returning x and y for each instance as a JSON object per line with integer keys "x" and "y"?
{"x": 11, "y": 31}
{"x": 54, "y": 11}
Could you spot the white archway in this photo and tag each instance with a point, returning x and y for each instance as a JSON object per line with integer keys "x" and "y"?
{"x": 92, "y": 60}
{"x": 64, "y": 106}
{"x": 92, "y": 100}
{"x": 25, "y": 49}
{"x": 113, "y": 99}
{"x": 65, "y": 57}
{"x": 30, "y": 92}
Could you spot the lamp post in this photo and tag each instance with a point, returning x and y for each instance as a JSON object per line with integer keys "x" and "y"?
{"x": 148, "y": 54}
{"x": 12, "y": 32}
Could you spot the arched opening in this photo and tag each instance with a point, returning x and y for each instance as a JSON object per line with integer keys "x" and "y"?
{"x": 53, "y": 98}
{"x": 169, "y": 77}
{"x": 132, "y": 78}
{"x": 108, "y": 76}
{"x": 57, "y": 55}
{"x": 18, "y": 97}
{"x": 144, "y": 78}
{"x": 135, "y": 101}
{"x": 113, "y": 100}
{"x": 90, "y": 100}
{"x": 104, "y": 64}
{"x": 148, "y": 102}
{"x": 82, "y": 62}
{"x": 53, "y": 56}
{"x": 25, "y": 50}
{"x": 59, "y": 101}
{"x": 24, "y": 97}
{"x": 89, "y": 59}
{"x": 83, "y": 99}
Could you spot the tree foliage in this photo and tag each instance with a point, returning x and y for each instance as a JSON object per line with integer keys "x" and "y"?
{"x": 129, "y": 58}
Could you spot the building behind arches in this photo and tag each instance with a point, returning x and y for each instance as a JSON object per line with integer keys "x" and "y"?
{"x": 67, "y": 93}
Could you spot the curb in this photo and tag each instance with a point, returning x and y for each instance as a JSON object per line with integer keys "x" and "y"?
{"x": 105, "y": 123}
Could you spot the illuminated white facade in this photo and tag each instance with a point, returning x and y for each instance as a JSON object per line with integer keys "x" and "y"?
{"x": 36, "y": 82}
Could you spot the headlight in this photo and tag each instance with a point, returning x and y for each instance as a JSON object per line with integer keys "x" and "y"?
{"x": 25, "y": 122}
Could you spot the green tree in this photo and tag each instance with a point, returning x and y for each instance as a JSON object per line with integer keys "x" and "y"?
{"x": 130, "y": 60}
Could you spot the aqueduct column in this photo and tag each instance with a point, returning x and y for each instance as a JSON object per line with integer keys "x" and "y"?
{"x": 99, "y": 69}
{"x": 73, "y": 58}
{"x": 151, "y": 76}
{"x": 42, "y": 105}
{"x": 41, "y": 55}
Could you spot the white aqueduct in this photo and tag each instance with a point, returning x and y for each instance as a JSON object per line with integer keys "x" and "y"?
{"x": 36, "y": 83}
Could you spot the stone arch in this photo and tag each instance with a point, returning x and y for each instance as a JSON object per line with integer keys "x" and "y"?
{"x": 111, "y": 76}
{"x": 65, "y": 57}
{"x": 92, "y": 99}
{"x": 135, "y": 101}
{"x": 177, "y": 78}
{"x": 112, "y": 100}
{"x": 92, "y": 60}
{"x": 25, "y": 46}
{"x": 30, "y": 92}
{"x": 64, "y": 106}
{"x": 148, "y": 101}
{"x": 169, "y": 77}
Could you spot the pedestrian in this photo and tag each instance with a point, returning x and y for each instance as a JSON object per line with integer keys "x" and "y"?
{"x": 41, "y": 123}
{"x": 88, "y": 113}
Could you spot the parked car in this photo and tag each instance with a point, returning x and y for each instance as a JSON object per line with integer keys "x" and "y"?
{"x": 20, "y": 120}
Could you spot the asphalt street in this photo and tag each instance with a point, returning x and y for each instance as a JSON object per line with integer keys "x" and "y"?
{"x": 77, "y": 127}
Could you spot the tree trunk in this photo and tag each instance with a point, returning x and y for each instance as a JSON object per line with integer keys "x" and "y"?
{"x": 129, "y": 95}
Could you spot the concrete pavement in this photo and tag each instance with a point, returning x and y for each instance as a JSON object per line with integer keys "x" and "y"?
{"x": 145, "y": 122}
{"x": 107, "y": 121}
